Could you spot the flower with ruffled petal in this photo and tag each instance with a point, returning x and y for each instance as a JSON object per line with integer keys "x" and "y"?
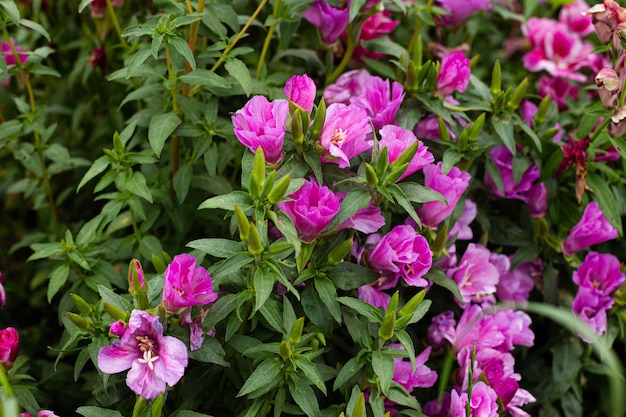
{"x": 482, "y": 403}
{"x": 9, "y": 346}
{"x": 600, "y": 271}
{"x": 591, "y": 306}
{"x": 574, "y": 16}
{"x": 301, "y": 90}
{"x": 454, "y": 74}
{"x": 186, "y": 284}
{"x": 331, "y": 21}
{"x": 155, "y": 361}
{"x": 396, "y": 140}
{"x": 451, "y": 185}
{"x": 461, "y": 229}
{"x": 367, "y": 220}
{"x": 345, "y": 134}
{"x": 591, "y": 229}
{"x": 380, "y": 100}
{"x": 348, "y": 85}
{"x": 503, "y": 159}
{"x": 420, "y": 377}
{"x": 475, "y": 275}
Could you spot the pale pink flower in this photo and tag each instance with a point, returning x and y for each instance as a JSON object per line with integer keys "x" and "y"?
{"x": 348, "y": 85}
{"x": 475, "y": 275}
{"x": 515, "y": 285}
{"x": 461, "y": 10}
{"x": 420, "y": 377}
{"x": 367, "y": 220}
{"x": 482, "y": 404}
{"x": 461, "y": 229}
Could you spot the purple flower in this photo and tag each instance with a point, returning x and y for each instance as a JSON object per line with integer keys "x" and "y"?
{"x": 461, "y": 229}
{"x": 528, "y": 110}
{"x": 344, "y": 134}
{"x": 435, "y": 408}
{"x": 367, "y": 220}
{"x": 196, "y": 332}
{"x": 537, "y": 200}
{"x": 442, "y": 329}
{"x": 9, "y": 346}
{"x": 373, "y": 295}
{"x": 475, "y": 275}
{"x": 421, "y": 377}
{"x": 186, "y": 284}
{"x": 261, "y": 123}
{"x": 403, "y": 252}
{"x": 461, "y": 10}
{"x": 591, "y": 306}
{"x": 330, "y": 21}
{"x": 396, "y": 140}
{"x": 154, "y": 360}
{"x": 599, "y": 271}
{"x": 503, "y": 158}
{"x": 454, "y": 75}
{"x": 311, "y": 209}
{"x": 515, "y": 286}
{"x": 482, "y": 404}
{"x": 451, "y": 185}
{"x": 380, "y": 100}
{"x": 301, "y": 90}
{"x": 348, "y": 85}
{"x": 592, "y": 228}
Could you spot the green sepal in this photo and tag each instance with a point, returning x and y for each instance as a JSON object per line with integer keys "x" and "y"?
{"x": 83, "y": 306}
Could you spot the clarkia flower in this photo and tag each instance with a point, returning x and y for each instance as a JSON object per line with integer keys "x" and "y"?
{"x": 442, "y": 329}
{"x": 380, "y": 100}
{"x": 461, "y": 10}
{"x": 574, "y": 16}
{"x": 451, "y": 185}
{"x": 331, "y": 21}
{"x": 375, "y": 26}
{"x": 348, "y": 85}
{"x": 344, "y": 134}
{"x": 475, "y": 275}
{"x": 606, "y": 17}
{"x": 560, "y": 89}
{"x": 482, "y": 403}
{"x": 186, "y": 284}
{"x": 7, "y": 53}
{"x": 515, "y": 285}
{"x": 154, "y": 360}
{"x": 461, "y": 229}
{"x": 591, "y": 229}
{"x": 599, "y": 271}
{"x": 591, "y": 306}
{"x": 311, "y": 209}
{"x": 262, "y": 123}
{"x": 301, "y": 90}
{"x": 396, "y": 140}
{"x": 9, "y": 346}
{"x": 454, "y": 74}
{"x": 503, "y": 159}
{"x": 421, "y": 377}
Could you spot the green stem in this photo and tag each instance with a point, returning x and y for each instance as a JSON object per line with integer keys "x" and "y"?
{"x": 4, "y": 380}
{"x": 346, "y": 58}
{"x": 136, "y": 231}
{"x": 418, "y": 27}
{"x": 193, "y": 38}
{"x": 176, "y": 139}
{"x": 116, "y": 23}
{"x": 266, "y": 44}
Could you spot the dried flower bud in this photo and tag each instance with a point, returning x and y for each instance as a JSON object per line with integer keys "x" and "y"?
{"x": 609, "y": 84}
{"x": 618, "y": 123}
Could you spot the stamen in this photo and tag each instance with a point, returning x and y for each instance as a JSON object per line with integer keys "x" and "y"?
{"x": 148, "y": 359}
{"x": 339, "y": 135}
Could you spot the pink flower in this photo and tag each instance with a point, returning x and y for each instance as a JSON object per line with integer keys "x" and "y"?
{"x": 442, "y": 329}
{"x": 515, "y": 286}
{"x": 560, "y": 89}
{"x": 537, "y": 200}
{"x": 186, "y": 284}
{"x": 591, "y": 306}
{"x": 367, "y": 220}
{"x": 301, "y": 90}
{"x": 403, "y": 252}
{"x": 344, "y": 134}
{"x": 451, "y": 185}
{"x": 421, "y": 377}
{"x": 9, "y": 346}
{"x": 154, "y": 360}
{"x": 7, "y": 53}
{"x": 503, "y": 159}
{"x": 349, "y": 84}
{"x": 461, "y": 10}
{"x": 573, "y": 15}
{"x": 461, "y": 229}
{"x": 454, "y": 75}
{"x": 599, "y": 271}
{"x": 261, "y": 123}
{"x": 3, "y": 295}
{"x": 482, "y": 404}
{"x": 373, "y": 295}
{"x": 330, "y": 21}
{"x": 475, "y": 275}
{"x": 379, "y": 100}
{"x": 41, "y": 413}
{"x": 428, "y": 128}
{"x": 515, "y": 326}
{"x": 311, "y": 209}
{"x": 377, "y": 25}
{"x": 396, "y": 140}
{"x": 117, "y": 328}
{"x": 591, "y": 229}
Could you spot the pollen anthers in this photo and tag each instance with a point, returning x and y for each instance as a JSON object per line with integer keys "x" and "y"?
{"x": 338, "y": 137}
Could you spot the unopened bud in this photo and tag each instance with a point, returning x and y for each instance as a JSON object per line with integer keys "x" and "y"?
{"x": 284, "y": 350}
{"x": 115, "y": 312}
{"x": 255, "y": 244}
{"x": 336, "y": 255}
{"x": 79, "y": 321}
{"x": 496, "y": 79}
{"x": 518, "y": 95}
{"x": 296, "y": 331}
{"x": 370, "y": 175}
{"x": 278, "y": 191}
{"x": 542, "y": 110}
{"x": 136, "y": 280}
{"x": 82, "y": 305}
{"x": 386, "y": 329}
{"x": 318, "y": 122}
{"x": 609, "y": 86}
{"x": 242, "y": 223}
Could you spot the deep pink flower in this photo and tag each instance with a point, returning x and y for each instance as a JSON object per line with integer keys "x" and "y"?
{"x": 599, "y": 271}
{"x": 573, "y": 15}
{"x": 155, "y": 361}
{"x": 520, "y": 398}
{"x": 396, "y": 140}
{"x": 186, "y": 284}
{"x": 560, "y": 89}
{"x": 528, "y": 110}
{"x": 41, "y": 413}
{"x": 311, "y": 209}
{"x": 344, "y": 134}
{"x": 348, "y": 85}
{"x": 461, "y": 10}
{"x": 380, "y": 100}
{"x": 482, "y": 404}
{"x": 377, "y": 25}
{"x": 451, "y": 185}
{"x": 591, "y": 229}
{"x": 503, "y": 159}
{"x": 330, "y": 21}
{"x": 461, "y": 229}
{"x": 261, "y": 123}
{"x": 454, "y": 75}
{"x": 421, "y": 377}
{"x": 117, "y": 328}
{"x": 537, "y": 200}
{"x": 402, "y": 251}
{"x": 7, "y": 53}
{"x": 9, "y": 346}
{"x": 373, "y": 295}
{"x": 591, "y": 306}
{"x": 367, "y": 220}
{"x": 301, "y": 90}
{"x": 475, "y": 275}
{"x": 515, "y": 286}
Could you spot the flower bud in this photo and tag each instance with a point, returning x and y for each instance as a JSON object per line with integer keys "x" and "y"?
{"x": 242, "y": 223}
{"x": 385, "y": 331}
{"x": 79, "y": 321}
{"x": 518, "y": 95}
{"x": 9, "y": 346}
{"x": 284, "y": 350}
{"x": 410, "y": 84}
{"x": 609, "y": 86}
{"x": 318, "y": 122}
{"x": 115, "y": 312}
{"x": 81, "y": 304}
{"x": 336, "y": 256}
{"x": 296, "y": 331}
{"x": 255, "y": 244}
{"x": 496, "y": 79}
{"x": 542, "y": 110}
{"x": 277, "y": 192}
{"x": 269, "y": 183}
{"x": 117, "y": 328}
{"x": 370, "y": 175}
{"x": 136, "y": 280}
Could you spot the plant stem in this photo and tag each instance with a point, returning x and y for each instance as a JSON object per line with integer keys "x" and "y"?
{"x": 4, "y": 380}
{"x": 116, "y": 23}
{"x": 266, "y": 44}
{"x": 418, "y": 27}
{"x": 346, "y": 58}
{"x": 193, "y": 38}
{"x": 175, "y": 139}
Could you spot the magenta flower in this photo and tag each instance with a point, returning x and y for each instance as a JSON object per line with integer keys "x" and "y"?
{"x": 41, "y": 413}
{"x": 186, "y": 284}
{"x": 344, "y": 134}
{"x": 403, "y": 252}
{"x": 117, "y": 328}
{"x": 154, "y": 360}
{"x": 461, "y": 229}
{"x": 482, "y": 404}
{"x": 560, "y": 89}
{"x": 3, "y": 295}
{"x": 591, "y": 306}
{"x": 475, "y": 275}
{"x": 373, "y": 295}
{"x": 367, "y": 220}
{"x": 592, "y": 228}
{"x": 7, "y": 54}
{"x": 515, "y": 285}
{"x": 428, "y": 128}
{"x": 503, "y": 159}
{"x": 461, "y": 10}
{"x": 9, "y": 346}
{"x": 454, "y": 75}
{"x": 451, "y": 185}
{"x": 599, "y": 271}
{"x": 515, "y": 327}
{"x": 574, "y": 16}
{"x": 349, "y": 84}
{"x": 396, "y": 140}
{"x": 330, "y": 21}
{"x": 301, "y": 90}
{"x": 528, "y": 110}
{"x": 375, "y": 26}
{"x": 261, "y": 123}
{"x": 537, "y": 200}
{"x": 421, "y": 377}
{"x": 379, "y": 100}
{"x": 311, "y": 209}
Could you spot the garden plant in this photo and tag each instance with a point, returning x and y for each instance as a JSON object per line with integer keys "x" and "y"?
{"x": 312, "y": 208}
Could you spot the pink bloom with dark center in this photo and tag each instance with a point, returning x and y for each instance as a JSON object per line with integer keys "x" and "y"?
{"x": 396, "y": 140}
{"x": 503, "y": 159}
{"x": 573, "y": 15}
{"x": 451, "y": 185}
{"x": 186, "y": 284}
{"x": 301, "y": 90}
{"x": 345, "y": 133}
{"x": 591, "y": 229}
{"x": 461, "y": 10}
{"x": 475, "y": 275}
{"x": 262, "y": 124}
{"x": 599, "y": 271}
{"x": 348, "y": 85}
{"x": 311, "y": 209}
{"x": 155, "y": 361}
{"x": 380, "y": 100}
{"x": 9, "y": 346}
{"x": 331, "y": 21}
{"x": 482, "y": 403}
{"x": 454, "y": 75}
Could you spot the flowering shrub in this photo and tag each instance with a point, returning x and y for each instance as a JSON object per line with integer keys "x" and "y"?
{"x": 321, "y": 208}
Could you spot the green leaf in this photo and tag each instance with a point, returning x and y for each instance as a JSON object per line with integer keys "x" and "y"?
{"x": 304, "y": 396}
{"x": 354, "y": 201}
{"x": 404, "y": 202}
{"x": 91, "y": 411}
{"x": 418, "y": 193}
{"x": 139, "y": 58}
{"x": 212, "y": 22}
{"x": 220, "y": 248}
{"x": 39, "y": 69}
{"x": 137, "y": 185}
{"x": 210, "y": 352}
{"x": 239, "y": 71}
{"x": 182, "y": 182}
{"x": 606, "y": 199}
{"x": 407, "y": 343}
{"x": 228, "y": 201}
{"x": 45, "y": 250}
{"x": 58, "y": 278}
{"x": 382, "y": 364}
{"x": 114, "y": 299}
{"x": 350, "y": 276}
{"x": 183, "y": 48}
{"x": 204, "y": 77}
{"x": 36, "y": 27}
{"x": 328, "y": 294}
{"x": 265, "y": 372}
{"x": 218, "y": 311}
{"x": 365, "y": 309}
{"x": 83, "y": 4}
{"x": 160, "y": 128}
{"x": 11, "y": 10}
{"x": 311, "y": 372}
{"x": 504, "y": 129}
{"x": 437, "y": 276}
{"x": 347, "y": 372}
{"x": 263, "y": 286}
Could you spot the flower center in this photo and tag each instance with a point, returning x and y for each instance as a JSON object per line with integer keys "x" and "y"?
{"x": 149, "y": 349}
{"x": 339, "y": 135}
